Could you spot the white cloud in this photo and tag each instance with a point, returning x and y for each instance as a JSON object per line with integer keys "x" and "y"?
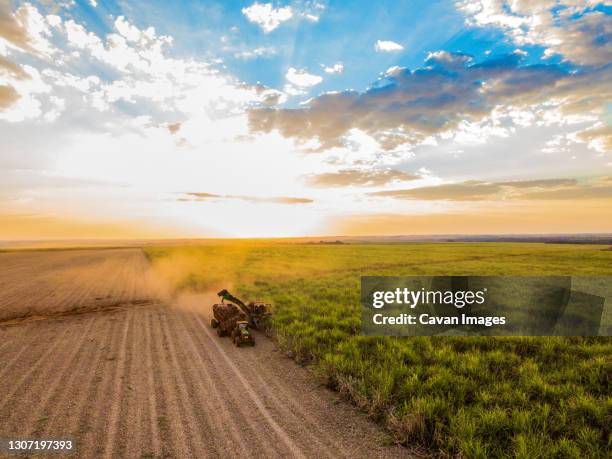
{"x": 80, "y": 38}
{"x": 301, "y": 78}
{"x": 143, "y": 75}
{"x": 266, "y": 16}
{"x": 93, "y": 3}
{"x": 567, "y": 27}
{"x": 387, "y": 46}
{"x": 338, "y": 67}
{"x": 447, "y": 59}
{"x": 26, "y": 29}
{"x": 29, "y": 105}
{"x": 127, "y": 30}
{"x": 394, "y": 70}
{"x": 54, "y": 20}
{"x": 311, "y": 17}
{"x": 312, "y": 11}
{"x": 262, "y": 51}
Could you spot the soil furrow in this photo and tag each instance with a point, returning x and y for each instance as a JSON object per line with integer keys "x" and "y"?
{"x": 115, "y": 399}
{"x": 152, "y": 404}
{"x": 221, "y": 426}
{"x": 17, "y": 386}
{"x": 134, "y": 406}
{"x": 70, "y": 404}
{"x": 199, "y": 426}
{"x": 253, "y": 396}
{"x": 170, "y": 420}
{"x": 122, "y": 378}
{"x": 94, "y": 407}
{"x": 229, "y": 401}
{"x": 46, "y": 396}
{"x": 290, "y": 409}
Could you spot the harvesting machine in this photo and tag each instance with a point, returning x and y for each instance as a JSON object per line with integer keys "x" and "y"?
{"x": 235, "y": 318}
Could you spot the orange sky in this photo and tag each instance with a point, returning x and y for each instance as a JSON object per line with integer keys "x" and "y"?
{"x": 587, "y": 216}
{"x": 525, "y": 218}
{"x": 33, "y": 227}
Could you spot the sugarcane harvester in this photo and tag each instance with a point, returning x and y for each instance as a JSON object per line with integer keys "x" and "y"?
{"x": 232, "y": 317}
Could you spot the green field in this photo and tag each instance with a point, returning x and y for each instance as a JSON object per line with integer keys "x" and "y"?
{"x": 446, "y": 396}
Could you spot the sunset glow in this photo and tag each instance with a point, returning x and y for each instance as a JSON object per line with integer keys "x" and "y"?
{"x": 228, "y": 119}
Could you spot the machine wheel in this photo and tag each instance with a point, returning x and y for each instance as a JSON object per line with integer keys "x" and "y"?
{"x": 220, "y": 331}
{"x": 237, "y": 341}
{"x": 214, "y": 323}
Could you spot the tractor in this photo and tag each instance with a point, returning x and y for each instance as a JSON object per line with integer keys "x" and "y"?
{"x": 235, "y": 318}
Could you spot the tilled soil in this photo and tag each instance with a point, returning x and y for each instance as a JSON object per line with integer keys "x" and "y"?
{"x": 147, "y": 378}
{"x": 47, "y": 283}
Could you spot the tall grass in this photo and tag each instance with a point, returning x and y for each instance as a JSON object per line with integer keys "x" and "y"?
{"x": 451, "y": 396}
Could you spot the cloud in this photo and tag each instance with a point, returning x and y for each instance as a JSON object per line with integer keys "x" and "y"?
{"x": 338, "y": 67}
{"x": 135, "y": 68}
{"x": 569, "y": 27}
{"x": 541, "y": 183}
{"x": 299, "y": 81}
{"x": 12, "y": 69}
{"x": 262, "y": 51}
{"x": 445, "y": 60}
{"x": 173, "y": 128}
{"x": 357, "y": 177}
{"x": 451, "y": 91}
{"x": 387, "y": 46}
{"x": 476, "y": 190}
{"x": 283, "y": 200}
{"x": 11, "y": 29}
{"x": 201, "y": 196}
{"x": 301, "y": 78}
{"x": 35, "y": 99}
{"x": 451, "y": 97}
{"x": 467, "y": 191}
{"x": 598, "y": 137}
{"x": 266, "y": 16}
{"x": 574, "y": 193}
{"x": 8, "y": 96}
{"x": 26, "y": 29}
{"x": 267, "y": 96}
{"x": 311, "y": 10}
{"x": 108, "y": 102}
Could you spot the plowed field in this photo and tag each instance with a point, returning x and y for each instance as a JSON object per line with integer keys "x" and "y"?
{"x": 89, "y": 352}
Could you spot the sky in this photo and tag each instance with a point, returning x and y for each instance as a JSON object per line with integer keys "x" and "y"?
{"x": 304, "y": 118}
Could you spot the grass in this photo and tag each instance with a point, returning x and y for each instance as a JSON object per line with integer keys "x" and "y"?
{"x": 452, "y": 396}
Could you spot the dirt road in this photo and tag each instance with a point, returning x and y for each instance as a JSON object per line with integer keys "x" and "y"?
{"x": 150, "y": 379}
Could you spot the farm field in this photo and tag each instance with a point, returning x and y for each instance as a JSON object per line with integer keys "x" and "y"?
{"x": 91, "y": 349}
{"x": 43, "y": 283}
{"x": 472, "y": 397}
{"x": 113, "y": 348}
